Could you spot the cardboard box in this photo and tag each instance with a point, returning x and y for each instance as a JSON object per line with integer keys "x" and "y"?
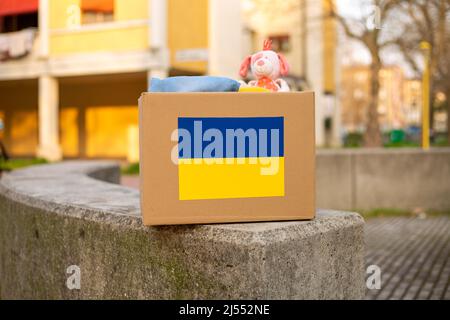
{"x": 216, "y": 174}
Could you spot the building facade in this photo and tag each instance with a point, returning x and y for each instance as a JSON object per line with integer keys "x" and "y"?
{"x": 74, "y": 92}
{"x": 304, "y": 32}
{"x": 71, "y": 71}
{"x": 400, "y": 99}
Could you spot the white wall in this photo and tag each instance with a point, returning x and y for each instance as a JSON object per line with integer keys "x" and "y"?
{"x": 226, "y": 50}
{"x": 315, "y": 62}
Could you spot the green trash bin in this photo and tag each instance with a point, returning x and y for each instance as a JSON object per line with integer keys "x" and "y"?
{"x": 397, "y": 136}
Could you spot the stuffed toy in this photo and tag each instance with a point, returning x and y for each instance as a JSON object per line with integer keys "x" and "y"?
{"x": 267, "y": 66}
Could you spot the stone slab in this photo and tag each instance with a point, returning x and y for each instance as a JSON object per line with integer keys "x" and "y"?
{"x": 56, "y": 216}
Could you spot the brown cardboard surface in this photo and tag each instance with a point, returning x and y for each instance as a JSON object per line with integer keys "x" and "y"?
{"x": 158, "y": 117}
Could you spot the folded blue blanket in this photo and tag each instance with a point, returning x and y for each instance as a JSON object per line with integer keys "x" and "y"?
{"x": 194, "y": 84}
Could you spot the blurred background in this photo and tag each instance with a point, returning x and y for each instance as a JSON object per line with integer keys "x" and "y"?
{"x": 71, "y": 71}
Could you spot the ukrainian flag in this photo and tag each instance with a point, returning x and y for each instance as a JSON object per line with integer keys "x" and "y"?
{"x": 226, "y": 158}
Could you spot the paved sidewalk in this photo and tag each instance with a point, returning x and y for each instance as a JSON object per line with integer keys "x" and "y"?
{"x": 413, "y": 255}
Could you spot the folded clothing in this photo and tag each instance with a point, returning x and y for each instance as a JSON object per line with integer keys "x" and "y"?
{"x": 194, "y": 84}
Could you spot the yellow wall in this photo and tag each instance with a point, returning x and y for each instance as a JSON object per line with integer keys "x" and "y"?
{"x": 68, "y": 124}
{"x": 107, "y": 130}
{"x": 18, "y": 105}
{"x": 131, "y": 10}
{"x": 106, "y": 40}
{"x": 23, "y": 133}
{"x": 23, "y": 130}
{"x": 188, "y": 29}
{"x": 76, "y": 40}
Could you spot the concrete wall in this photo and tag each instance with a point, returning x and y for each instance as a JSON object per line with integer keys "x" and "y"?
{"x": 226, "y": 50}
{"x": 373, "y": 179}
{"x": 56, "y": 216}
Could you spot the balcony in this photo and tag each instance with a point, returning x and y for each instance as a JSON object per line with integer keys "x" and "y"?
{"x": 19, "y": 55}
{"x": 103, "y": 48}
{"x": 112, "y": 47}
{"x": 114, "y": 36}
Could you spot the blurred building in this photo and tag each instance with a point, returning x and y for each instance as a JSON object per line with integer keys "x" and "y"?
{"x": 75, "y": 69}
{"x": 71, "y": 71}
{"x": 399, "y": 103}
{"x": 304, "y": 33}
{"x": 412, "y": 101}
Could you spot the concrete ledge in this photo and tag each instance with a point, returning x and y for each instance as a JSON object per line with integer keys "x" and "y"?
{"x": 366, "y": 179}
{"x": 55, "y": 216}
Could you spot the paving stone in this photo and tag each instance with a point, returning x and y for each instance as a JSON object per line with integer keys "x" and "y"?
{"x": 413, "y": 255}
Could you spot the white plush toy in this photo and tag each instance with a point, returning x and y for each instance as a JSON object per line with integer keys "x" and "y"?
{"x": 267, "y": 66}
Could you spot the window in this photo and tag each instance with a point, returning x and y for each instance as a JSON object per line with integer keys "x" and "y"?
{"x": 97, "y": 11}
{"x": 361, "y": 77}
{"x": 358, "y": 94}
{"x": 18, "y": 22}
{"x": 281, "y": 43}
{"x": 17, "y": 34}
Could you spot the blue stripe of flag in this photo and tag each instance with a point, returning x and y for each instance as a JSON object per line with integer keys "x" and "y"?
{"x": 258, "y": 124}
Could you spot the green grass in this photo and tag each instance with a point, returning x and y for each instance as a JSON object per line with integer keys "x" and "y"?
{"x": 402, "y": 144}
{"x": 438, "y": 143}
{"x": 377, "y": 213}
{"x": 131, "y": 169}
{"x": 386, "y": 212}
{"x": 14, "y": 164}
{"x": 356, "y": 140}
{"x": 441, "y": 142}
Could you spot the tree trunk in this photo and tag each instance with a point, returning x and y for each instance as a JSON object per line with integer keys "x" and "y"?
{"x": 431, "y": 104}
{"x": 372, "y": 136}
{"x": 447, "y": 97}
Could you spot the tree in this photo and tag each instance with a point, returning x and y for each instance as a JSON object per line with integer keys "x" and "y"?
{"x": 368, "y": 30}
{"x": 428, "y": 20}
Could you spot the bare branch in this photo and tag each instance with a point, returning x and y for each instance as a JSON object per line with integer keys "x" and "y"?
{"x": 343, "y": 22}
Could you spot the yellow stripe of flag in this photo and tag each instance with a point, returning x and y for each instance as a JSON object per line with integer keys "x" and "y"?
{"x": 228, "y": 178}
